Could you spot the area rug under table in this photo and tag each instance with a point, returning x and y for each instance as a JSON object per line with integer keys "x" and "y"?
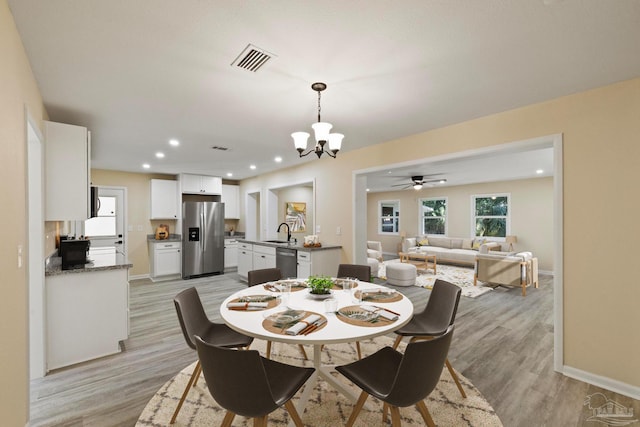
{"x": 460, "y": 276}
{"x": 326, "y": 406}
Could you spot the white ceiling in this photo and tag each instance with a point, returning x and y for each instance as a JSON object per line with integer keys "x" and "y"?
{"x": 138, "y": 73}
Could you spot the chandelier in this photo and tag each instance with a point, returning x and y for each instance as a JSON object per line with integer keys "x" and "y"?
{"x": 322, "y": 134}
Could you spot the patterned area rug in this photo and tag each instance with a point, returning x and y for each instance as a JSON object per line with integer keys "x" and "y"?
{"x": 461, "y": 276}
{"x": 326, "y": 406}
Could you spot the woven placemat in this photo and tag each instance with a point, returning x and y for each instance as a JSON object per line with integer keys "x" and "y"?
{"x": 340, "y": 282}
{"x": 379, "y": 296}
{"x": 379, "y": 321}
{"x": 269, "y": 324}
{"x": 271, "y": 303}
{"x": 296, "y": 286}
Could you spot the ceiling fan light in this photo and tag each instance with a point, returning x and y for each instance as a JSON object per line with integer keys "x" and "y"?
{"x": 322, "y": 130}
{"x": 417, "y": 186}
{"x": 335, "y": 141}
{"x": 300, "y": 140}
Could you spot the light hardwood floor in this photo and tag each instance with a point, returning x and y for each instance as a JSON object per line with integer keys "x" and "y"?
{"x": 503, "y": 343}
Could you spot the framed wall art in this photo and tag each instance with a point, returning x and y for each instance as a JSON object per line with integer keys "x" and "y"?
{"x": 296, "y": 216}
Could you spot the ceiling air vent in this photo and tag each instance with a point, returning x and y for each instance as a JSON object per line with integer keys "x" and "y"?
{"x": 219, "y": 148}
{"x": 252, "y": 58}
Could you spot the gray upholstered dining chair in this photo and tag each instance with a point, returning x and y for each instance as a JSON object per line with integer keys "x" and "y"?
{"x": 247, "y": 384}
{"x": 356, "y": 271}
{"x": 400, "y": 380}
{"x": 437, "y": 316}
{"x": 264, "y": 275}
{"x": 194, "y": 321}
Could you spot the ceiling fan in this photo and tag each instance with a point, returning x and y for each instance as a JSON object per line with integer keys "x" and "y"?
{"x": 417, "y": 181}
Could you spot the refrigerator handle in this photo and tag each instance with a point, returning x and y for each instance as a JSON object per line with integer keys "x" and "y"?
{"x": 204, "y": 231}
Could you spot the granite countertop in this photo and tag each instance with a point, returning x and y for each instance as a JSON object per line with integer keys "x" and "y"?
{"x": 299, "y": 246}
{"x": 100, "y": 260}
{"x": 171, "y": 238}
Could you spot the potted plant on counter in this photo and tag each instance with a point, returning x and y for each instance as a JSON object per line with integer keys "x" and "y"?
{"x": 320, "y": 286}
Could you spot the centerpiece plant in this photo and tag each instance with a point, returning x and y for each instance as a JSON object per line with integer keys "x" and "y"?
{"x": 320, "y": 285}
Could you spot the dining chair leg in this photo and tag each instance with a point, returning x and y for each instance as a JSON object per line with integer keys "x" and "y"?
{"x": 385, "y": 412}
{"x": 295, "y": 417}
{"x": 196, "y": 370}
{"x": 260, "y": 421}
{"x": 357, "y": 408}
{"x": 426, "y": 416}
{"x": 455, "y": 377}
{"x": 395, "y": 416}
{"x": 228, "y": 418}
{"x": 304, "y": 353}
{"x": 199, "y": 368}
{"x": 397, "y": 342}
{"x": 358, "y": 350}
{"x": 268, "y": 349}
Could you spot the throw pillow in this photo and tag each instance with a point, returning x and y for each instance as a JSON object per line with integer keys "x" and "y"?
{"x": 423, "y": 242}
{"x": 477, "y": 243}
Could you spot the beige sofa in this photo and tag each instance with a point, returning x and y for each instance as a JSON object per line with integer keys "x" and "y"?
{"x": 519, "y": 269}
{"x": 450, "y": 250}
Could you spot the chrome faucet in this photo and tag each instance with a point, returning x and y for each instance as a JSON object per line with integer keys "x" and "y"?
{"x": 288, "y": 231}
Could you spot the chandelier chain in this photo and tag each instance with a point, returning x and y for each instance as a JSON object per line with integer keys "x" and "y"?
{"x": 319, "y": 106}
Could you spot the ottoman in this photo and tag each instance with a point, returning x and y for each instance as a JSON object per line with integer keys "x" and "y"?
{"x": 401, "y": 274}
{"x": 375, "y": 265}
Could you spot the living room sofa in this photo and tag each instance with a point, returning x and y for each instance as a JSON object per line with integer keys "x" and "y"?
{"x": 507, "y": 269}
{"x": 451, "y": 250}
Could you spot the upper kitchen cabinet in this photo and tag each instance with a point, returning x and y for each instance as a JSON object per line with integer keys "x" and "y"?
{"x": 164, "y": 199}
{"x": 231, "y": 200}
{"x": 200, "y": 184}
{"x": 67, "y": 172}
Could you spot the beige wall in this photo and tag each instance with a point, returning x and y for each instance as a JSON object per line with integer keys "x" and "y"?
{"x": 296, "y": 194}
{"x": 531, "y": 205}
{"x": 600, "y": 132}
{"x": 18, "y": 90}
{"x": 138, "y": 212}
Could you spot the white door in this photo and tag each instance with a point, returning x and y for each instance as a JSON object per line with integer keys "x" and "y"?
{"x": 107, "y": 229}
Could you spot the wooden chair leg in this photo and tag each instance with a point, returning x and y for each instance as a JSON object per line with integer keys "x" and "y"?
{"x": 196, "y": 370}
{"x": 385, "y": 412}
{"x": 259, "y": 421}
{"x": 228, "y": 418}
{"x": 397, "y": 342}
{"x": 304, "y": 353}
{"x": 195, "y": 381}
{"x": 358, "y": 350}
{"x": 268, "y": 349}
{"x": 455, "y": 377}
{"x": 357, "y": 409}
{"x": 295, "y": 417}
{"x": 395, "y": 416}
{"x": 426, "y": 416}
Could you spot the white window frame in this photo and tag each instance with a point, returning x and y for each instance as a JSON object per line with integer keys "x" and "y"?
{"x": 421, "y": 215}
{"x": 395, "y": 218}
{"x": 507, "y": 217}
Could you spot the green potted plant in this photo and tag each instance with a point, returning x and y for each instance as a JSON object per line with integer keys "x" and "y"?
{"x": 320, "y": 285}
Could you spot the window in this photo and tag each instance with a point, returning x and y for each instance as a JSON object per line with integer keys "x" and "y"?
{"x": 433, "y": 216}
{"x": 389, "y": 211}
{"x": 490, "y": 215}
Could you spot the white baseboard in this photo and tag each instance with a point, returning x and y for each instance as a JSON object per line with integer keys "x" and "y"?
{"x": 604, "y": 382}
{"x": 138, "y": 276}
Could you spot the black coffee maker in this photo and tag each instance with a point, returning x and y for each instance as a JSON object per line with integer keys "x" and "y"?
{"x": 74, "y": 253}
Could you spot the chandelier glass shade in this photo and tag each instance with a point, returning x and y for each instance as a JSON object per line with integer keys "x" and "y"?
{"x": 321, "y": 132}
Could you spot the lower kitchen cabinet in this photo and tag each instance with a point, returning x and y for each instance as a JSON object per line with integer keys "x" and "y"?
{"x": 318, "y": 262}
{"x": 245, "y": 259}
{"x": 165, "y": 260}
{"x": 230, "y": 253}
{"x": 263, "y": 257}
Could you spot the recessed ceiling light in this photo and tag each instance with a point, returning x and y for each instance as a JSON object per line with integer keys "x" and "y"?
{"x": 368, "y": 189}
{"x": 146, "y": 165}
{"x": 174, "y": 142}
{"x": 539, "y": 171}
{"x": 229, "y": 174}
{"x": 252, "y": 167}
{"x": 160, "y": 155}
{"x": 278, "y": 159}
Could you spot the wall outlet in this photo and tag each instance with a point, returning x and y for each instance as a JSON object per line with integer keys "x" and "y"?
{"x": 317, "y": 229}
{"x": 338, "y": 231}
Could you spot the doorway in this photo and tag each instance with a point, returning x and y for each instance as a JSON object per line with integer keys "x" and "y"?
{"x": 106, "y": 231}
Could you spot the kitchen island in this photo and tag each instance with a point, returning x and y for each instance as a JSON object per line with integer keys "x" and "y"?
{"x": 87, "y": 308}
{"x": 311, "y": 261}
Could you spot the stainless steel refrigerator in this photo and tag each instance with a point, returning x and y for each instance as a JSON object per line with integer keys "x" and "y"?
{"x": 202, "y": 238}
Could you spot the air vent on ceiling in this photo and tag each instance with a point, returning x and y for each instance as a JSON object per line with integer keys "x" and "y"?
{"x": 252, "y": 58}
{"x": 219, "y": 148}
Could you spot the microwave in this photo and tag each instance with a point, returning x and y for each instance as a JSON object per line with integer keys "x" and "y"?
{"x": 74, "y": 253}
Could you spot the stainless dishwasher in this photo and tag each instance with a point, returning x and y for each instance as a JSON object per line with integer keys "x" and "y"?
{"x": 287, "y": 262}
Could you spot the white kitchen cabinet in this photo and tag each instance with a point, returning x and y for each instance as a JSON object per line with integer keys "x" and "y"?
{"x": 164, "y": 199}
{"x": 304, "y": 264}
{"x": 67, "y": 172}
{"x": 245, "y": 259}
{"x": 87, "y": 315}
{"x": 231, "y": 200}
{"x": 230, "y": 253}
{"x": 263, "y": 257}
{"x": 165, "y": 260}
{"x": 200, "y": 184}
{"x": 318, "y": 262}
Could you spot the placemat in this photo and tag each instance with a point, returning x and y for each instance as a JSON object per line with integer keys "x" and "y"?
{"x": 296, "y": 285}
{"x": 343, "y": 313}
{"x": 340, "y": 282}
{"x": 271, "y": 301}
{"x": 280, "y": 330}
{"x": 379, "y": 296}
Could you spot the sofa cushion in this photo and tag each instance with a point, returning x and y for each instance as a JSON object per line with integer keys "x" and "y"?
{"x": 422, "y": 241}
{"x": 456, "y": 243}
{"x": 441, "y": 242}
{"x": 466, "y": 243}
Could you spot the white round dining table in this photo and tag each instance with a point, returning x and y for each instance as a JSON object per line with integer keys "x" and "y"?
{"x": 250, "y": 322}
